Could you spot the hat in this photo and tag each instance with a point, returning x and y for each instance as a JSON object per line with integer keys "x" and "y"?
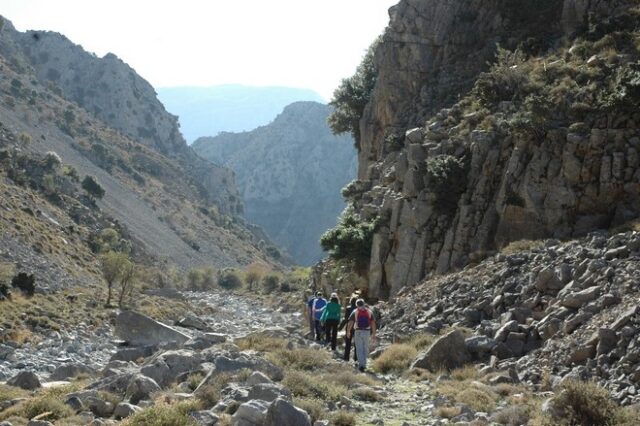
{"x": 334, "y": 294}
{"x": 360, "y": 302}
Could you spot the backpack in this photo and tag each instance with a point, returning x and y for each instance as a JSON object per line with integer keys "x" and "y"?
{"x": 363, "y": 319}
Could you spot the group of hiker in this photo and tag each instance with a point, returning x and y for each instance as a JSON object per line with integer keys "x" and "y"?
{"x": 326, "y": 318}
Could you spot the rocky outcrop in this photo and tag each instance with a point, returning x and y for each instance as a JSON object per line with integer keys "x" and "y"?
{"x": 293, "y": 191}
{"x": 451, "y": 182}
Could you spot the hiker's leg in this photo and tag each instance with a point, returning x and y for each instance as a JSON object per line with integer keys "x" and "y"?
{"x": 361, "y": 345}
{"x": 365, "y": 349}
{"x": 327, "y": 331}
{"x": 318, "y": 330}
{"x": 334, "y": 334}
{"x": 347, "y": 347}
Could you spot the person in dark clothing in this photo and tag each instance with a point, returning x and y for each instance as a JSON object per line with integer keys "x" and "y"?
{"x": 348, "y": 338}
{"x": 330, "y": 319}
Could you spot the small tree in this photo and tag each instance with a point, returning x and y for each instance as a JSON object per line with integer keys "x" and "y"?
{"x": 92, "y": 187}
{"x": 352, "y": 95}
{"x": 112, "y": 265}
{"x": 127, "y": 279}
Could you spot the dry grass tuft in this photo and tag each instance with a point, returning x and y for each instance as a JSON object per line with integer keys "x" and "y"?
{"x": 447, "y": 412}
{"x": 261, "y": 343}
{"x": 300, "y": 359}
{"x": 476, "y": 395}
{"x": 396, "y": 358}
{"x": 343, "y": 418}
{"x": 468, "y": 372}
{"x": 521, "y": 245}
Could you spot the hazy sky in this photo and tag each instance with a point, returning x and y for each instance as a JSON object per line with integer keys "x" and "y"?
{"x": 299, "y": 43}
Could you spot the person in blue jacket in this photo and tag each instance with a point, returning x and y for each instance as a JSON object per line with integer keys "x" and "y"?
{"x": 319, "y": 303}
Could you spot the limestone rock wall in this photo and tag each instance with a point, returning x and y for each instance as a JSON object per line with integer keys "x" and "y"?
{"x": 556, "y": 183}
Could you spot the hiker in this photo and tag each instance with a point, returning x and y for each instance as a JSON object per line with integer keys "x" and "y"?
{"x": 309, "y": 312}
{"x": 348, "y": 337}
{"x": 363, "y": 324}
{"x": 331, "y": 318}
{"x": 319, "y": 304}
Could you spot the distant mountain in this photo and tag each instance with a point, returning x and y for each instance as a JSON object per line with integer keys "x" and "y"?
{"x": 290, "y": 173}
{"x": 207, "y": 111}
{"x": 101, "y": 118}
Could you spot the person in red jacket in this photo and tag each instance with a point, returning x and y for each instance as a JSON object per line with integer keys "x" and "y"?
{"x": 363, "y": 324}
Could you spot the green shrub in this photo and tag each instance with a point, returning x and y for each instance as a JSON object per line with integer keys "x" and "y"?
{"x": 229, "y": 279}
{"x": 200, "y": 279}
{"x": 446, "y": 178}
{"x": 71, "y": 173}
{"x": 351, "y": 239}
{"x": 92, "y": 187}
{"x": 270, "y": 282}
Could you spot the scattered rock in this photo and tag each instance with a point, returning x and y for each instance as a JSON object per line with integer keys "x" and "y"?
{"x": 25, "y": 380}
{"x": 283, "y": 413}
{"x": 140, "y": 330}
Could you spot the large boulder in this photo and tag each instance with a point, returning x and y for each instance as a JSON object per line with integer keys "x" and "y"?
{"x": 283, "y": 413}
{"x": 124, "y": 410}
{"x": 251, "y": 413}
{"x": 25, "y": 380}
{"x": 449, "y": 352}
{"x": 140, "y": 387}
{"x": 68, "y": 371}
{"x": 139, "y": 330}
{"x": 167, "y": 366}
{"x": 269, "y": 392}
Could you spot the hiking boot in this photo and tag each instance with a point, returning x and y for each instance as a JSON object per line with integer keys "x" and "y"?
{"x": 362, "y": 369}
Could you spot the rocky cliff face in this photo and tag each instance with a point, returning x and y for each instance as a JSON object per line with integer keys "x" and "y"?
{"x": 112, "y": 91}
{"x": 458, "y": 157}
{"x": 290, "y": 173}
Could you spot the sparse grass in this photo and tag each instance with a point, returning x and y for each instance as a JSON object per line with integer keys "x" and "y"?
{"x": 300, "y": 359}
{"x": 419, "y": 375}
{"x": 514, "y": 415}
{"x": 8, "y": 393}
{"x": 468, "y": 372}
{"x": 314, "y": 406}
{"x": 39, "y": 405}
{"x": 209, "y": 394}
{"x": 421, "y": 341}
{"x": 310, "y": 385}
{"x": 261, "y": 343}
{"x": 348, "y": 378}
{"x": 395, "y": 359}
{"x": 176, "y": 414}
{"x": 521, "y": 245}
{"x": 343, "y": 418}
{"x": 366, "y": 394}
{"x": 193, "y": 380}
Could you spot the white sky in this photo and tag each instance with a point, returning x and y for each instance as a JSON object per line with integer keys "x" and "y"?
{"x": 297, "y": 43}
